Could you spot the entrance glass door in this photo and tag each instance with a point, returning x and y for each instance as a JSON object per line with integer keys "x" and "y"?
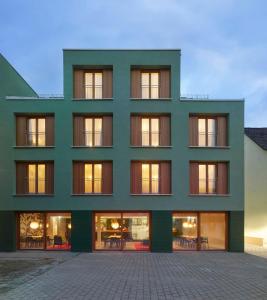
{"x": 122, "y": 231}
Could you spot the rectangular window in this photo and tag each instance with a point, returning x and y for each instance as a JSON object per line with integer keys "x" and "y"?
{"x": 207, "y": 132}
{"x": 150, "y": 132}
{"x": 36, "y": 178}
{"x": 51, "y": 231}
{"x": 150, "y": 85}
{"x": 36, "y": 132}
{"x": 93, "y": 132}
{"x": 122, "y": 231}
{"x": 150, "y": 178}
{"x": 93, "y": 178}
{"x": 199, "y": 231}
{"x": 207, "y": 178}
{"x": 93, "y": 85}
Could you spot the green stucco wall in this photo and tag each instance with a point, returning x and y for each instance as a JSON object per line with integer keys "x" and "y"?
{"x": 81, "y": 231}
{"x": 255, "y": 191}
{"x": 161, "y": 238}
{"x": 236, "y": 231}
{"x": 7, "y": 231}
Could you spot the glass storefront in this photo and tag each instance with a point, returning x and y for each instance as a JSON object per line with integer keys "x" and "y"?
{"x": 199, "y": 231}
{"x": 51, "y": 231}
{"x": 122, "y": 231}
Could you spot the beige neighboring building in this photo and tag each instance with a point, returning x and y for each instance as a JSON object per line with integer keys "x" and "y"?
{"x": 256, "y": 186}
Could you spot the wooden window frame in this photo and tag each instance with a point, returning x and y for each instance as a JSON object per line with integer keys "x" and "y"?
{"x": 207, "y": 177}
{"x": 150, "y": 133}
{"x": 150, "y": 177}
{"x": 36, "y": 118}
{"x": 36, "y": 178}
{"x": 198, "y": 216}
{"x": 93, "y": 177}
{"x": 93, "y": 131}
{"x": 149, "y": 72}
{"x": 207, "y": 118}
{"x": 93, "y": 86}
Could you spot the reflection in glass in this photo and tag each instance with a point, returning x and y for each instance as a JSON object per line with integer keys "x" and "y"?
{"x": 202, "y": 132}
{"x": 41, "y": 132}
{"x": 145, "y": 132}
{"x": 41, "y": 178}
{"x": 154, "y": 85}
{"x": 98, "y": 131}
{"x": 32, "y": 132}
{"x": 88, "y": 132}
{"x": 145, "y": 178}
{"x": 212, "y": 179}
{"x": 32, "y": 178}
{"x": 145, "y": 85}
{"x": 58, "y": 231}
{"x": 202, "y": 173}
{"x": 211, "y": 132}
{"x": 154, "y": 178}
{"x": 126, "y": 231}
{"x": 88, "y": 85}
{"x": 98, "y": 85}
{"x": 184, "y": 231}
{"x": 212, "y": 231}
{"x": 154, "y": 132}
{"x": 31, "y": 228}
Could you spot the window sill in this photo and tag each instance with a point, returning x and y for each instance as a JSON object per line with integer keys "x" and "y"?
{"x": 33, "y": 195}
{"x": 91, "y": 194}
{"x": 207, "y": 147}
{"x": 88, "y": 147}
{"x": 151, "y": 99}
{"x": 151, "y": 147}
{"x": 96, "y": 99}
{"x": 33, "y": 147}
{"x": 151, "y": 194}
{"x": 209, "y": 195}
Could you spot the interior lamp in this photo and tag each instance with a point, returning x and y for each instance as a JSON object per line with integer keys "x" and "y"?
{"x": 114, "y": 224}
{"x": 34, "y": 225}
{"x": 69, "y": 226}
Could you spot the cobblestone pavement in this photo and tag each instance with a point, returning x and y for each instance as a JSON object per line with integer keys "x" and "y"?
{"x": 183, "y": 275}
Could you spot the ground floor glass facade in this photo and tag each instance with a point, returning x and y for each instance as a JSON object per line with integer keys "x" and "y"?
{"x": 199, "y": 231}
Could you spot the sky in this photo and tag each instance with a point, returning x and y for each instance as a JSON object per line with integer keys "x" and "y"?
{"x": 223, "y": 42}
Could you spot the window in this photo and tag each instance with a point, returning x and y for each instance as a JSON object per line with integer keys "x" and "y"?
{"x": 150, "y": 132}
{"x": 93, "y": 132}
{"x": 93, "y": 178}
{"x": 93, "y": 85}
{"x": 150, "y": 178}
{"x": 35, "y": 178}
{"x": 36, "y": 132}
{"x": 122, "y": 231}
{"x": 199, "y": 231}
{"x": 150, "y": 85}
{"x": 51, "y": 231}
{"x": 207, "y": 132}
{"x": 207, "y": 178}
{"x": 36, "y": 175}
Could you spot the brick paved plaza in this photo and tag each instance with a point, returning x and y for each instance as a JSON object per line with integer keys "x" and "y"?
{"x": 183, "y": 275}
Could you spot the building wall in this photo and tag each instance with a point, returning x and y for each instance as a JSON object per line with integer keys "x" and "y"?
{"x": 121, "y": 153}
{"x": 255, "y": 193}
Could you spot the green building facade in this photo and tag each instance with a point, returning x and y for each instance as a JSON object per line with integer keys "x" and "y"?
{"x": 190, "y": 191}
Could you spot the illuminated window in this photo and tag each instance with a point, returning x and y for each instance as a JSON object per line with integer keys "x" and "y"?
{"x": 93, "y": 132}
{"x": 150, "y": 85}
{"x": 93, "y": 85}
{"x": 36, "y": 178}
{"x": 207, "y": 132}
{"x": 36, "y": 132}
{"x": 93, "y": 178}
{"x": 150, "y": 178}
{"x": 207, "y": 174}
{"x": 150, "y": 132}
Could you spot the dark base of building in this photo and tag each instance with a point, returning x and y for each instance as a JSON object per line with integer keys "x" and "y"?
{"x": 154, "y": 231}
